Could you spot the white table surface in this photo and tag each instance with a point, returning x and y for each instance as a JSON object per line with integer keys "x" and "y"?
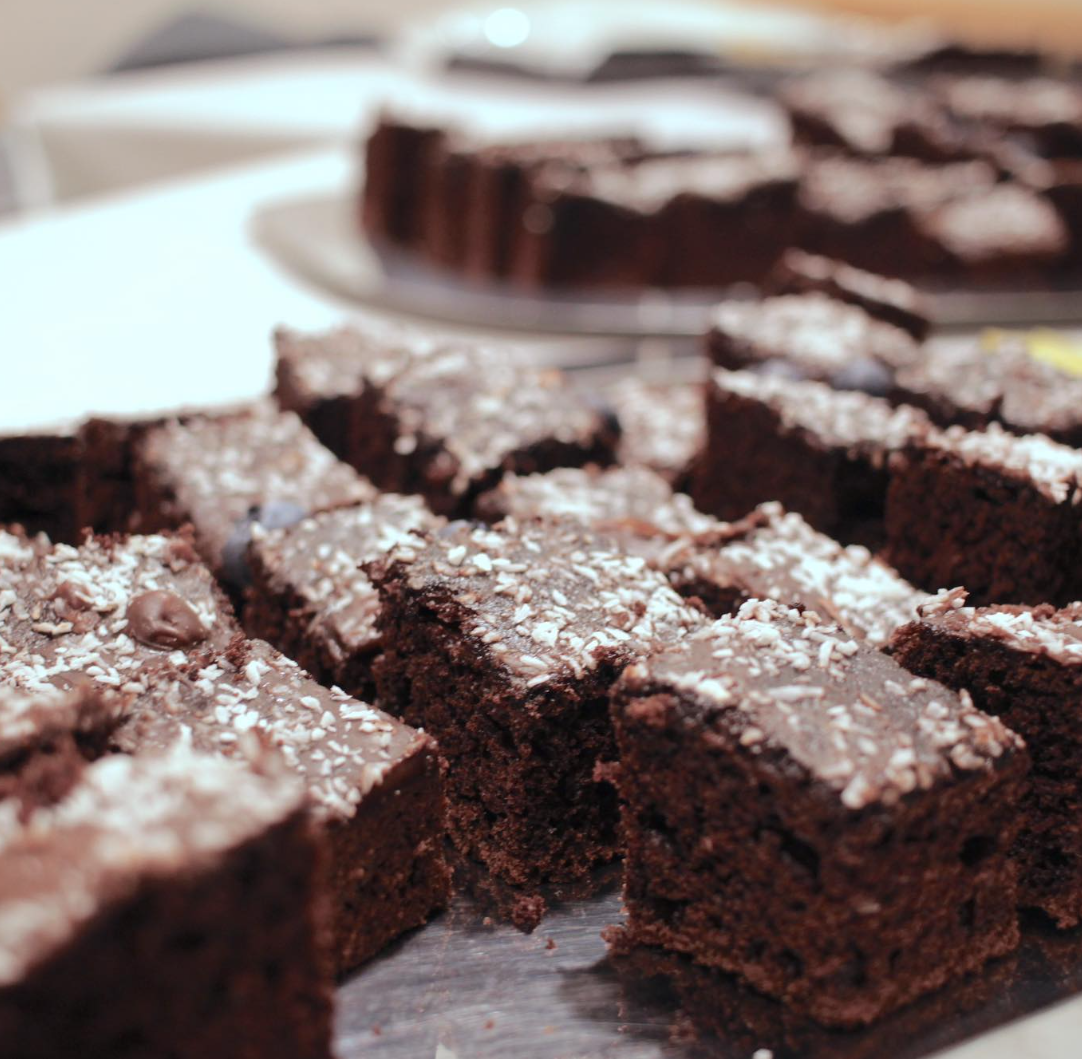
{"x": 153, "y": 300}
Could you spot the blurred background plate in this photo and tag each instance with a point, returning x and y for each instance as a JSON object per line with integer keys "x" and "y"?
{"x": 317, "y": 237}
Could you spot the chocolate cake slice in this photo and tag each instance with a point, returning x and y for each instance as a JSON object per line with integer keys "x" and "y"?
{"x": 810, "y": 336}
{"x": 994, "y": 379}
{"x": 503, "y": 644}
{"x": 47, "y": 737}
{"x": 225, "y": 475}
{"x": 447, "y": 422}
{"x": 1023, "y": 665}
{"x": 778, "y": 556}
{"x": 802, "y": 812}
{"x": 373, "y": 782}
{"x": 326, "y": 377}
{"x": 310, "y": 596}
{"x": 142, "y": 616}
{"x": 659, "y": 221}
{"x": 893, "y": 301}
{"x": 167, "y": 906}
{"x": 862, "y": 113}
{"x": 770, "y": 554}
{"x": 996, "y": 513}
{"x": 817, "y": 451}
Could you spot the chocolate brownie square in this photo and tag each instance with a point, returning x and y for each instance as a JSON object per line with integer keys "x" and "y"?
{"x": 47, "y": 736}
{"x": 864, "y": 114}
{"x": 168, "y": 906}
{"x": 503, "y": 644}
{"x": 310, "y": 596}
{"x": 893, "y": 301}
{"x": 447, "y": 420}
{"x": 996, "y": 378}
{"x": 324, "y": 377}
{"x": 771, "y": 554}
{"x": 113, "y": 609}
{"x": 802, "y": 812}
{"x": 774, "y": 554}
{"x": 224, "y": 475}
{"x": 41, "y": 485}
{"x": 810, "y": 336}
{"x": 865, "y": 211}
{"x": 373, "y": 782}
{"x": 995, "y": 513}
{"x": 396, "y": 167}
{"x": 818, "y": 451}
{"x": 662, "y": 426}
{"x": 1003, "y": 233}
{"x": 1023, "y": 665}
{"x": 659, "y": 221}
{"x": 1045, "y": 112}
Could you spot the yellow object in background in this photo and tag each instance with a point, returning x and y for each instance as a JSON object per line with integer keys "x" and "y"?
{"x": 1042, "y": 343}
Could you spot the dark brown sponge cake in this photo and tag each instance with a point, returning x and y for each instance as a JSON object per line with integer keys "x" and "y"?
{"x": 167, "y": 906}
{"x": 503, "y": 643}
{"x": 310, "y": 596}
{"x": 891, "y": 300}
{"x": 442, "y": 419}
{"x": 47, "y": 736}
{"x": 985, "y": 509}
{"x": 818, "y": 451}
{"x": 143, "y": 617}
{"x": 225, "y": 475}
{"x": 1023, "y": 665}
{"x": 801, "y": 811}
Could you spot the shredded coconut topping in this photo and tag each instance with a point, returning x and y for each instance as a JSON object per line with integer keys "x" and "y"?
{"x": 819, "y": 333}
{"x": 315, "y": 566}
{"x": 547, "y": 601}
{"x": 849, "y": 714}
{"x": 845, "y": 418}
{"x": 1035, "y": 630}
{"x": 1054, "y": 469}
{"x": 786, "y": 560}
{"x": 663, "y": 426}
{"x": 128, "y": 819}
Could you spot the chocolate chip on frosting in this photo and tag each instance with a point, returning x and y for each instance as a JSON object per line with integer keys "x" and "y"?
{"x": 163, "y": 619}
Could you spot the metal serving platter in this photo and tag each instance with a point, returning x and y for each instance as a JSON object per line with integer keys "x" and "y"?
{"x": 316, "y": 237}
{"x": 468, "y": 986}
